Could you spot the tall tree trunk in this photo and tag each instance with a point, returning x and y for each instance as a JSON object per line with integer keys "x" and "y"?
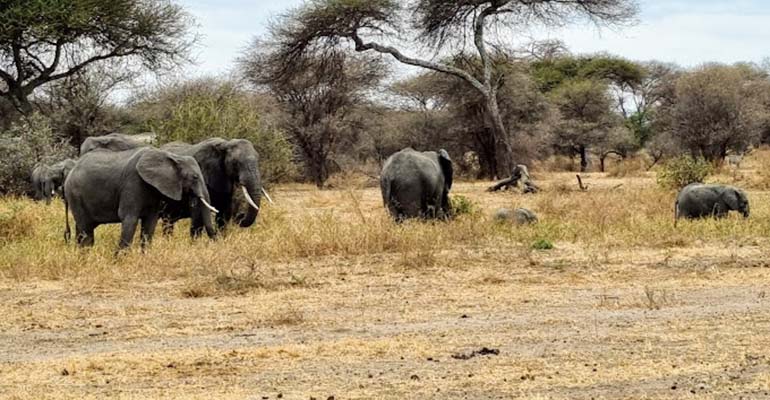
{"x": 502, "y": 143}
{"x": 20, "y": 101}
{"x": 583, "y": 159}
{"x": 485, "y": 148}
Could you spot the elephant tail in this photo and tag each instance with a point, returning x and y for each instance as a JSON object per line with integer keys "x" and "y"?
{"x": 67, "y": 231}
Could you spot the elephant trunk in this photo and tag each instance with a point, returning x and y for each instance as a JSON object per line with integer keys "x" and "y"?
{"x": 48, "y": 190}
{"x": 205, "y": 212}
{"x": 200, "y": 206}
{"x": 252, "y": 190}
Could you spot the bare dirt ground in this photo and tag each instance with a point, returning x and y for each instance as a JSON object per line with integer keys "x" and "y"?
{"x": 581, "y": 321}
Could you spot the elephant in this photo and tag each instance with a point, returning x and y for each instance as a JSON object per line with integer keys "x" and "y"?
{"x": 416, "y": 184}
{"x": 519, "y": 216}
{"x": 698, "y": 200}
{"x": 130, "y": 186}
{"x": 47, "y": 180}
{"x": 112, "y": 142}
{"x": 226, "y": 165}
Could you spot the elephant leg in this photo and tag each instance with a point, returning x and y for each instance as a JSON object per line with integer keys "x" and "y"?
{"x": 168, "y": 227}
{"x": 225, "y": 215}
{"x": 127, "y": 231}
{"x": 85, "y": 235}
{"x": 148, "y": 229}
{"x": 196, "y": 226}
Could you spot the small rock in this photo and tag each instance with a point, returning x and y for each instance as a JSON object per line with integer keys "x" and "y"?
{"x": 518, "y": 216}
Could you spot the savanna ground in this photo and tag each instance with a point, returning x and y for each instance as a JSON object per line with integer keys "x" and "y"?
{"x": 325, "y": 297}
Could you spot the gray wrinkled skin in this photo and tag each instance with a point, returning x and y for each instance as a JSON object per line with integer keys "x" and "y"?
{"x": 47, "y": 180}
{"x": 227, "y": 165}
{"x": 111, "y": 142}
{"x": 416, "y": 184}
{"x": 129, "y": 187}
{"x": 698, "y": 200}
{"x": 518, "y": 216}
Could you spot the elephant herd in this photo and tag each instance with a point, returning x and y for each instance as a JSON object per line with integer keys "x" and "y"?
{"x": 417, "y": 184}
{"x": 120, "y": 180}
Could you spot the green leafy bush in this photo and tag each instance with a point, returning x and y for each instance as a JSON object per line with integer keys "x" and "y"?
{"x": 542, "y": 244}
{"x": 461, "y": 205}
{"x": 26, "y": 143}
{"x": 203, "y": 109}
{"x": 682, "y": 171}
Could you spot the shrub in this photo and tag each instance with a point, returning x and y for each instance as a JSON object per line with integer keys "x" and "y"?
{"x": 208, "y": 108}
{"x": 460, "y": 205}
{"x": 542, "y": 244}
{"x": 682, "y": 171}
{"x": 26, "y": 143}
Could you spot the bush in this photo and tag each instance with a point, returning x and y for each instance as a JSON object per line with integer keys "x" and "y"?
{"x": 460, "y": 205}
{"x": 203, "y": 109}
{"x": 542, "y": 244}
{"x": 26, "y": 143}
{"x": 682, "y": 171}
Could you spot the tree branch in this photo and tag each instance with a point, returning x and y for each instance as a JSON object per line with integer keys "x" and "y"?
{"x": 478, "y": 39}
{"x": 362, "y": 46}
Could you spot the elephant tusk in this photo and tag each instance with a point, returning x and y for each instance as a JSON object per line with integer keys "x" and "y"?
{"x": 267, "y": 196}
{"x": 249, "y": 199}
{"x": 206, "y": 203}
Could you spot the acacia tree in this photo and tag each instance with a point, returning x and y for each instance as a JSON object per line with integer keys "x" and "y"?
{"x": 639, "y": 102}
{"x": 46, "y": 40}
{"x": 717, "y": 108}
{"x": 522, "y": 107}
{"x": 587, "y": 118}
{"x": 440, "y": 25}
{"x": 318, "y": 93}
{"x": 79, "y": 105}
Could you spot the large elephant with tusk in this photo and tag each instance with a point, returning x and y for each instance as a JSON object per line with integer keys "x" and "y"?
{"x": 228, "y": 166}
{"x": 130, "y": 187}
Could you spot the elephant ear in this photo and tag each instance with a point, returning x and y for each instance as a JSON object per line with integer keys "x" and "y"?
{"x": 159, "y": 170}
{"x": 210, "y": 155}
{"x": 731, "y": 198}
{"x": 446, "y": 167}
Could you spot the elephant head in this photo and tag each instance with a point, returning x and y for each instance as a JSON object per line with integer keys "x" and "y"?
{"x": 240, "y": 167}
{"x": 178, "y": 177}
{"x": 46, "y": 180}
{"x": 735, "y": 199}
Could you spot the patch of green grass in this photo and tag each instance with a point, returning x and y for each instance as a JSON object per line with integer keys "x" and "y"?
{"x": 542, "y": 244}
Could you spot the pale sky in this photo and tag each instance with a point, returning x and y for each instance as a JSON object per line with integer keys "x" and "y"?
{"x": 688, "y": 32}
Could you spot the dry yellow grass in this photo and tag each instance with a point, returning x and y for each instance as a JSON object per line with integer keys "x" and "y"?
{"x": 325, "y": 296}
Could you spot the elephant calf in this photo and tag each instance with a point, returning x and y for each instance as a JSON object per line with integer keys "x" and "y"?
{"x": 698, "y": 200}
{"x": 47, "y": 180}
